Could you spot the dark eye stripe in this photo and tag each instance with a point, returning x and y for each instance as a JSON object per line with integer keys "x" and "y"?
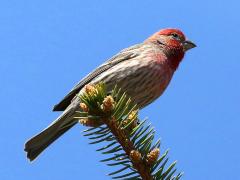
{"x": 159, "y": 42}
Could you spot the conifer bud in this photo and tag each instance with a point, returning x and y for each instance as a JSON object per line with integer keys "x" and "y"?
{"x": 133, "y": 115}
{"x": 153, "y": 156}
{"x": 135, "y": 156}
{"x": 108, "y": 104}
{"x": 90, "y": 89}
{"x": 84, "y": 107}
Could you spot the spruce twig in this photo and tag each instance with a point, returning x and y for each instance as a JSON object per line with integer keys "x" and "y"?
{"x": 114, "y": 121}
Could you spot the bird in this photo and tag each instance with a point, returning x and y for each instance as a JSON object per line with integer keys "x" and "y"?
{"x": 143, "y": 71}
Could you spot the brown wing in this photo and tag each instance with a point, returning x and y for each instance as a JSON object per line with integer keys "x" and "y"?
{"x": 125, "y": 54}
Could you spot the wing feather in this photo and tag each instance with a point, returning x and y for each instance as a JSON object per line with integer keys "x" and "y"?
{"x": 123, "y": 55}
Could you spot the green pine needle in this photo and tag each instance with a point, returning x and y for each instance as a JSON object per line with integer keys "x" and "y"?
{"x": 137, "y": 132}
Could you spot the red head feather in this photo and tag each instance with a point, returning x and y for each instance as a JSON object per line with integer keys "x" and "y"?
{"x": 171, "y": 41}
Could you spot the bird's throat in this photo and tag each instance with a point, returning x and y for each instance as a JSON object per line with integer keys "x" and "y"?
{"x": 175, "y": 56}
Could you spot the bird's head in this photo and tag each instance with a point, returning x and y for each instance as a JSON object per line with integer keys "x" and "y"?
{"x": 172, "y": 38}
{"x": 174, "y": 42}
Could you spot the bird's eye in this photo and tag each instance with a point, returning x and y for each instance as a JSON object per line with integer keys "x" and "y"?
{"x": 175, "y": 36}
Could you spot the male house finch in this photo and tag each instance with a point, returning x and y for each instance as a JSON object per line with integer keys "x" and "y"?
{"x": 143, "y": 71}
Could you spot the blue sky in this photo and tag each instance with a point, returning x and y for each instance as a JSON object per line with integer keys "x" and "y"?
{"x": 47, "y": 46}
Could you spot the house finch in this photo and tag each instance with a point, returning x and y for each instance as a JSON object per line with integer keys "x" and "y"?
{"x": 143, "y": 71}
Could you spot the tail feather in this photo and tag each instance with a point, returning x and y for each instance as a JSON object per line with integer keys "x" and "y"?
{"x": 40, "y": 142}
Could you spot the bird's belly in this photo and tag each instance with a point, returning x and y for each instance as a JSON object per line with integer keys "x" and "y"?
{"x": 142, "y": 82}
{"x": 148, "y": 87}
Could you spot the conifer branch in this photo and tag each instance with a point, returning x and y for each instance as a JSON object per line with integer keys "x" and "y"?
{"x": 114, "y": 122}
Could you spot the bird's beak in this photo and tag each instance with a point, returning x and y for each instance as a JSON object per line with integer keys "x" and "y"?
{"x": 188, "y": 45}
